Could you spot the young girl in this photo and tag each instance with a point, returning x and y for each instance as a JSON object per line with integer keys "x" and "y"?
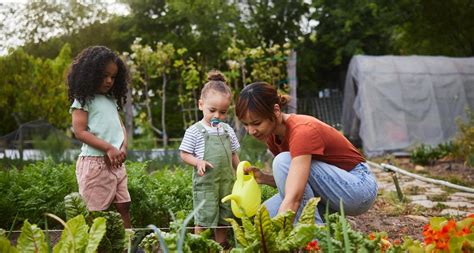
{"x": 210, "y": 146}
{"x": 97, "y": 83}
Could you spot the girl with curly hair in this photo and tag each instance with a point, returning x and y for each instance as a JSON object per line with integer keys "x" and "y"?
{"x": 97, "y": 88}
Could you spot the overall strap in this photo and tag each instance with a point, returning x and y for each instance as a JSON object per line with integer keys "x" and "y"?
{"x": 201, "y": 129}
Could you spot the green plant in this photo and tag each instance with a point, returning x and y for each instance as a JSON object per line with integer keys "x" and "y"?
{"x": 77, "y": 237}
{"x": 114, "y": 239}
{"x": 54, "y": 146}
{"x": 464, "y": 141}
{"x": 275, "y": 234}
{"x": 177, "y": 240}
{"x": 38, "y": 188}
{"x": 443, "y": 235}
{"x": 425, "y": 155}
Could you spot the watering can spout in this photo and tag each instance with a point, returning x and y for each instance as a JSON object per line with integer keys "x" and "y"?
{"x": 233, "y": 197}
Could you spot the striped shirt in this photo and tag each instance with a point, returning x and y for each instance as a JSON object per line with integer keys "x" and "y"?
{"x": 193, "y": 140}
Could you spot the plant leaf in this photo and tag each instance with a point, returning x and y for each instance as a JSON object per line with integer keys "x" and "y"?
{"x": 31, "y": 239}
{"x": 307, "y": 215}
{"x": 300, "y": 236}
{"x": 265, "y": 232}
{"x": 250, "y": 232}
{"x": 283, "y": 224}
{"x": 6, "y": 247}
{"x": 238, "y": 233}
{"x": 96, "y": 233}
{"x": 75, "y": 205}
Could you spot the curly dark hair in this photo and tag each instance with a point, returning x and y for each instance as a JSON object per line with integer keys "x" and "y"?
{"x": 86, "y": 74}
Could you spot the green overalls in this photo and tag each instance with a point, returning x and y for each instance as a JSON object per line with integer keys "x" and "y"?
{"x": 216, "y": 182}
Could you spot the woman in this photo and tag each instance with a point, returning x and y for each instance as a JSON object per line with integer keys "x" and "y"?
{"x": 312, "y": 159}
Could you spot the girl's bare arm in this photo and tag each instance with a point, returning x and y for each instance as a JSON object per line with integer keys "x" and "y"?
{"x": 79, "y": 124}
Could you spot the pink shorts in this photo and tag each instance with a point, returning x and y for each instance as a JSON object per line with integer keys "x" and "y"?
{"x": 99, "y": 184}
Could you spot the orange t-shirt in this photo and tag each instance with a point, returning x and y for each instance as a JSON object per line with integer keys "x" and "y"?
{"x": 306, "y": 135}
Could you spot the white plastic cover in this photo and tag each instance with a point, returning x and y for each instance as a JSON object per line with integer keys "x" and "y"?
{"x": 392, "y": 103}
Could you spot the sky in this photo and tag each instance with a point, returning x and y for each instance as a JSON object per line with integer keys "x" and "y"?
{"x": 13, "y": 41}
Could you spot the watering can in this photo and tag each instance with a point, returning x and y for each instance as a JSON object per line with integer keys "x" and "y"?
{"x": 245, "y": 193}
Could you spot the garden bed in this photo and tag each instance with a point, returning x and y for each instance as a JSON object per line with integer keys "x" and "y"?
{"x": 402, "y": 218}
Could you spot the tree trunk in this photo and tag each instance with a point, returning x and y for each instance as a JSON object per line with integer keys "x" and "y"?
{"x": 148, "y": 106}
{"x": 129, "y": 115}
{"x": 292, "y": 82}
{"x": 163, "y": 113}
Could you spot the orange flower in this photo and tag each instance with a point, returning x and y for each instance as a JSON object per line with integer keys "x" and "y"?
{"x": 372, "y": 236}
{"x": 312, "y": 246}
{"x": 397, "y": 242}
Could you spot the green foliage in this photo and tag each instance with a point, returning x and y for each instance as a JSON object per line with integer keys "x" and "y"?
{"x": 276, "y": 234}
{"x": 36, "y": 189}
{"x": 252, "y": 150}
{"x": 75, "y": 205}
{"x": 40, "y": 187}
{"x": 177, "y": 240}
{"x": 31, "y": 239}
{"x": 33, "y": 88}
{"x": 436, "y": 28}
{"x": 76, "y": 237}
{"x": 155, "y": 195}
{"x": 464, "y": 141}
{"x": 114, "y": 239}
{"x": 425, "y": 155}
{"x": 54, "y": 146}
{"x": 345, "y": 28}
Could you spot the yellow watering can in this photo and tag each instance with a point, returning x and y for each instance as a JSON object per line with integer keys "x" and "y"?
{"x": 245, "y": 193}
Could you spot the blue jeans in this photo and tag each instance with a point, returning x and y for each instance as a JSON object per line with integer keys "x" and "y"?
{"x": 357, "y": 188}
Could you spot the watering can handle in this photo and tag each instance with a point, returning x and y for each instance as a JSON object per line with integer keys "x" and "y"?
{"x": 240, "y": 169}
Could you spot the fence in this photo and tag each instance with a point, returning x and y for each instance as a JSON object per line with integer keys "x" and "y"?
{"x": 327, "y": 107}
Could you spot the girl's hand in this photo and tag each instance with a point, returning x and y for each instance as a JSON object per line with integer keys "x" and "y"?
{"x": 115, "y": 157}
{"x": 123, "y": 150}
{"x": 201, "y": 167}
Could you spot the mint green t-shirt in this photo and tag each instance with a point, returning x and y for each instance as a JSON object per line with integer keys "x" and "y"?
{"x": 103, "y": 121}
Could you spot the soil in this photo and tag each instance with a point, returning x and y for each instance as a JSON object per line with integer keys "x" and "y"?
{"x": 409, "y": 219}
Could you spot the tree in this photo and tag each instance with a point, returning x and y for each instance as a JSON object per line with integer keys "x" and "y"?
{"x": 272, "y": 22}
{"x": 345, "y": 28}
{"x": 149, "y": 64}
{"x": 437, "y": 28}
{"x": 33, "y": 88}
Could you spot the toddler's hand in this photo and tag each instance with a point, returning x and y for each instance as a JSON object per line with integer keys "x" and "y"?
{"x": 201, "y": 167}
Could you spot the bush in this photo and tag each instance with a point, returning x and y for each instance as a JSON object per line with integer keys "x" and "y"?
{"x": 464, "y": 141}
{"x": 36, "y": 189}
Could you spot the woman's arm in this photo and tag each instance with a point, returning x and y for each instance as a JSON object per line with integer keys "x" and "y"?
{"x": 79, "y": 124}
{"x": 295, "y": 183}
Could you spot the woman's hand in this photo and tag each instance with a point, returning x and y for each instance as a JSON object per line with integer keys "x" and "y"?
{"x": 201, "y": 167}
{"x": 257, "y": 173}
{"x": 260, "y": 176}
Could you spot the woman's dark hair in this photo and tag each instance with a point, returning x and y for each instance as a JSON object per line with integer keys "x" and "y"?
{"x": 259, "y": 99}
{"x": 86, "y": 74}
{"x": 216, "y": 82}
